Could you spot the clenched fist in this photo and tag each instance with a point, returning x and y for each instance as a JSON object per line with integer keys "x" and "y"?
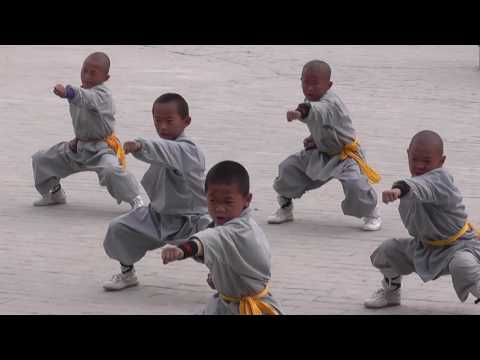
{"x": 72, "y": 144}
{"x": 131, "y": 147}
{"x": 171, "y": 253}
{"x": 293, "y": 115}
{"x": 60, "y": 91}
{"x": 309, "y": 143}
{"x": 391, "y": 195}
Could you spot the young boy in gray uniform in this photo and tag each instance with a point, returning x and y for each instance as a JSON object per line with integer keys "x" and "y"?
{"x": 234, "y": 247}
{"x": 95, "y": 146}
{"x": 331, "y": 151}
{"x": 174, "y": 183}
{"x": 443, "y": 241}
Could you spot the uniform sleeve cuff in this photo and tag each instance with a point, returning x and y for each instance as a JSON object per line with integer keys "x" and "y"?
{"x": 402, "y": 186}
{"x": 304, "y": 109}
{"x": 70, "y": 92}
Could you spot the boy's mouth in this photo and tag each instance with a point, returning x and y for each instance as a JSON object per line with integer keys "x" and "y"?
{"x": 418, "y": 173}
{"x": 220, "y": 220}
{"x": 166, "y": 136}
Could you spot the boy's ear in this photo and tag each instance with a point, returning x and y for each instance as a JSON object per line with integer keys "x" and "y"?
{"x": 249, "y": 198}
{"x": 107, "y": 77}
{"x": 442, "y": 160}
{"x": 330, "y": 84}
{"x": 188, "y": 120}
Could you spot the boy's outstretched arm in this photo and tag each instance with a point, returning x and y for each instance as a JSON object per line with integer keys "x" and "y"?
{"x": 165, "y": 152}
{"x": 95, "y": 99}
{"x": 422, "y": 189}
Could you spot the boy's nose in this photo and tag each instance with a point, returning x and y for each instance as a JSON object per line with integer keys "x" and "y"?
{"x": 220, "y": 209}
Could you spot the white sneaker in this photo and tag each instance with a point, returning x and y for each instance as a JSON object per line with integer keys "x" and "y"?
{"x": 121, "y": 281}
{"x": 281, "y": 215}
{"x": 386, "y": 296}
{"x": 52, "y": 199}
{"x": 136, "y": 202}
{"x": 372, "y": 223}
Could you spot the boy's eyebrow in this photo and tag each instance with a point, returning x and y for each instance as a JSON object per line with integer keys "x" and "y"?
{"x": 228, "y": 197}
{"x": 422, "y": 157}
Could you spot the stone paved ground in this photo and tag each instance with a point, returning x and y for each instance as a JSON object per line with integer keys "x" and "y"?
{"x": 52, "y": 260}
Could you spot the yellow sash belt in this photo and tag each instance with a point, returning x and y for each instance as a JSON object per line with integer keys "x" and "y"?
{"x": 351, "y": 150}
{"x": 453, "y": 238}
{"x": 252, "y": 305}
{"x": 115, "y": 144}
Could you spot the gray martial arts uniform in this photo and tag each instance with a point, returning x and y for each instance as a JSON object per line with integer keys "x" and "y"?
{"x": 433, "y": 210}
{"x": 330, "y": 125}
{"x": 238, "y": 257}
{"x": 174, "y": 183}
{"x": 92, "y": 111}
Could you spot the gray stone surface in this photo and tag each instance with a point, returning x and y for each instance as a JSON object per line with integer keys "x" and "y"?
{"x": 52, "y": 260}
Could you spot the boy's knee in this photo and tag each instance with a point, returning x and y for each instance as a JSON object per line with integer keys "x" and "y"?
{"x": 461, "y": 261}
{"x": 38, "y": 157}
{"x": 35, "y": 156}
{"x": 383, "y": 252}
{"x": 110, "y": 243}
{"x": 287, "y": 165}
{"x": 114, "y": 228}
{"x": 288, "y": 190}
{"x": 359, "y": 188}
{"x": 108, "y": 171}
{"x": 278, "y": 185}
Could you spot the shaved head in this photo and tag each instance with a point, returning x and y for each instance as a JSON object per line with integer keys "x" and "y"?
{"x": 428, "y": 138}
{"x": 95, "y": 70}
{"x": 318, "y": 67}
{"x": 425, "y": 152}
{"x": 101, "y": 59}
{"x": 316, "y": 79}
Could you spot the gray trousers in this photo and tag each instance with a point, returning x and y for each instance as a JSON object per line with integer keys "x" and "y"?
{"x": 394, "y": 257}
{"x": 49, "y": 166}
{"x": 292, "y": 182}
{"x": 131, "y": 235}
